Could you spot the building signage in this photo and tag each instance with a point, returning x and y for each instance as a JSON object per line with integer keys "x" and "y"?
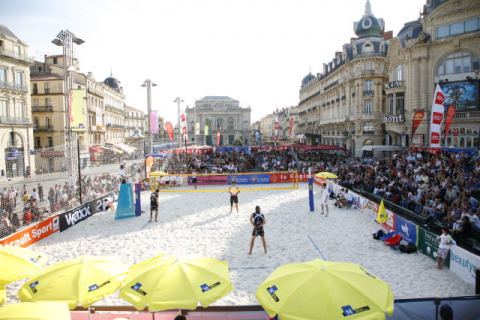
{"x": 393, "y": 84}
{"x": 394, "y": 119}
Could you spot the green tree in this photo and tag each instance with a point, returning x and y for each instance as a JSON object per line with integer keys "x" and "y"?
{"x": 237, "y": 143}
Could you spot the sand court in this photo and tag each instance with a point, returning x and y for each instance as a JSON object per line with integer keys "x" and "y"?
{"x": 200, "y": 223}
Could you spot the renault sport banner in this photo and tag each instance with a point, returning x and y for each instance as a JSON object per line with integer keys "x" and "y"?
{"x": 464, "y": 264}
{"x": 30, "y": 235}
{"x": 436, "y": 120}
{"x": 250, "y": 179}
{"x": 75, "y": 110}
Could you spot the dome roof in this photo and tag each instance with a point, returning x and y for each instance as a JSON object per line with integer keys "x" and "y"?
{"x": 307, "y": 79}
{"x": 112, "y": 82}
{"x": 369, "y": 26}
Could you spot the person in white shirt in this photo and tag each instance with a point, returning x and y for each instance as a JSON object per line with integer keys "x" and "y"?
{"x": 325, "y": 194}
{"x": 234, "y": 190}
{"x": 122, "y": 174}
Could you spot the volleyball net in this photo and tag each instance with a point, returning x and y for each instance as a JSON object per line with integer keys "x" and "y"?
{"x": 222, "y": 182}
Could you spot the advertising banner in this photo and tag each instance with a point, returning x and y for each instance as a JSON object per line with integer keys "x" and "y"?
{"x": 288, "y": 177}
{"x": 218, "y": 139}
{"x": 169, "y": 128}
{"x": 357, "y": 200}
{"x": 292, "y": 123}
{"x": 464, "y": 264}
{"x": 99, "y": 118}
{"x": 154, "y": 122}
{"x": 75, "y": 110}
{"x": 417, "y": 140}
{"x": 428, "y": 245}
{"x": 270, "y": 148}
{"x": 370, "y": 208}
{"x": 234, "y": 149}
{"x": 258, "y": 136}
{"x": 183, "y": 124}
{"x": 450, "y": 115}
{"x": 197, "y": 128}
{"x": 138, "y": 204}
{"x": 206, "y": 131}
{"x": 212, "y": 180}
{"x": 436, "y": 120}
{"x": 250, "y": 179}
{"x": 97, "y": 205}
{"x": 391, "y": 222}
{"x": 29, "y": 236}
{"x": 455, "y": 132}
{"x": 462, "y": 94}
{"x": 276, "y": 127}
{"x": 417, "y": 119}
{"x": 74, "y": 216}
{"x": 125, "y": 206}
{"x": 407, "y": 229}
{"x": 148, "y": 165}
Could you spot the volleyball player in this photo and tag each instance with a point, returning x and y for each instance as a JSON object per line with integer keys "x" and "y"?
{"x": 234, "y": 191}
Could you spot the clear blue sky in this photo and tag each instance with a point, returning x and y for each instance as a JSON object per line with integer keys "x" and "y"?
{"x": 256, "y": 51}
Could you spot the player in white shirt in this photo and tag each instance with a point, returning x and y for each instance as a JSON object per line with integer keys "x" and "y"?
{"x": 324, "y": 198}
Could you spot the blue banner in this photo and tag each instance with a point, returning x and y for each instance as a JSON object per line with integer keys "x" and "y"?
{"x": 125, "y": 207}
{"x": 234, "y": 149}
{"x": 259, "y": 137}
{"x": 250, "y": 179}
{"x": 138, "y": 206}
{"x": 310, "y": 193}
{"x": 407, "y": 229}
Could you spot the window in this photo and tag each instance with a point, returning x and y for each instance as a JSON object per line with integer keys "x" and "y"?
{"x": 48, "y": 101}
{"x": 20, "y": 109}
{"x": 3, "y": 108}
{"x": 390, "y": 105}
{"x": 55, "y": 60}
{"x": 37, "y": 142}
{"x": 47, "y": 87}
{"x": 368, "y": 128}
{"x": 400, "y": 103}
{"x": 231, "y": 124}
{"x": 49, "y": 142}
{"x": 458, "y": 28}
{"x": 399, "y": 72}
{"x": 219, "y": 123}
{"x": 3, "y": 75}
{"x": 368, "y": 85}
{"x": 368, "y": 65}
{"x": 458, "y": 62}
{"x": 18, "y": 78}
{"x": 369, "y": 106}
{"x": 16, "y": 50}
{"x": 36, "y": 122}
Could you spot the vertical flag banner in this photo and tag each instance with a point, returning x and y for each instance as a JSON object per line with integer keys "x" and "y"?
{"x": 259, "y": 138}
{"x": 417, "y": 118}
{"x": 154, "y": 122}
{"x": 148, "y": 165}
{"x": 382, "y": 213}
{"x": 75, "y": 110}
{"x": 436, "y": 120}
{"x": 292, "y": 123}
{"x": 169, "y": 128}
{"x": 206, "y": 130}
{"x": 99, "y": 118}
{"x": 276, "y": 126}
{"x": 197, "y": 128}
{"x": 183, "y": 124}
{"x": 218, "y": 138}
{"x": 450, "y": 115}
{"x": 138, "y": 202}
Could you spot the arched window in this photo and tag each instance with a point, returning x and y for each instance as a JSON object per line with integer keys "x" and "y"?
{"x": 458, "y": 62}
{"x": 230, "y": 124}
{"x": 219, "y": 123}
{"x": 368, "y": 128}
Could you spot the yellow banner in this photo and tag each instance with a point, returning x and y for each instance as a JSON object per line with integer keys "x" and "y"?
{"x": 206, "y": 130}
{"x": 75, "y": 110}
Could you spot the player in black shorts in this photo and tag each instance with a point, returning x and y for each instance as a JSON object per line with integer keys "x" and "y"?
{"x": 257, "y": 219}
{"x": 234, "y": 191}
{"x": 154, "y": 205}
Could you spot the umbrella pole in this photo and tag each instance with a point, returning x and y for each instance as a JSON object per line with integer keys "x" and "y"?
{"x": 89, "y": 314}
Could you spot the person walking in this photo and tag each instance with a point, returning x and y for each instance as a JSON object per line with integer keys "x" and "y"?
{"x": 154, "y": 205}
{"x": 122, "y": 174}
{"x": 325, "y": 194}
{"x": 234, "y": 190}
{"x": 446, "y": 241}
{"x": 257, "y": 219}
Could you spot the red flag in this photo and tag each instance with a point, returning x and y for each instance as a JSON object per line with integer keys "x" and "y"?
{"x": 292, "y": 122}
{"x": 417, "y": 118}
{"x": 218, "y": 139}
{"x": 169, "y": 128}
{"x": 276, "y": 126}
{"x": 450, "y": 115}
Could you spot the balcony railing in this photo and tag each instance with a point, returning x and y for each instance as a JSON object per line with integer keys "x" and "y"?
{"x": 468, "y": 114}
{"x": 43, "y": 128}
{"x": 116, "y": 126}
{"x": 368, "y": 93}
{"x": 42, "y": 108}
{"x": 14, "y": 120}
{"x": 13, "y": 86}
{"x": 15, "y": 55}
{"x": 369, "y": 54}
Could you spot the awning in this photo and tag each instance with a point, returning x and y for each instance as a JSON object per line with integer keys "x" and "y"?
{"x": 96, "y": 149}
{"x": 157, "y": 154}
{"x": 125, "y": 148}
{"x": 114, "y": 150}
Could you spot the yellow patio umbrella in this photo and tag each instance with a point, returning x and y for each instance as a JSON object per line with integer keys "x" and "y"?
{"x": 158, "y": 173}
{"x": 18, "y": 263}
{"x": 327, "y": 175}
{"x": 35, "y": 311}
{"x": 83, "y": 280}
{"x": 166, "y": 282}
{"x": 325, "y": 290}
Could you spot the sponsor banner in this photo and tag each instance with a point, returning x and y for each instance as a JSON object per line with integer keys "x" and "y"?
{"x": 455, "y": 132}
{"x": 183, "y": 124}
{"x": 258, "y": 136}
{"x": 204, "y": 180}
{"x": 464, "y": 264}
{"x": 320, "y": 181}
{"x": 270, "y": 148}
{"x": 357, "y": 200}
{"x": 250, "y": 179}
{"x": 462, "y": 94}
{"x": 154, "y": 122}
{"x": 390, "y": 224}
{"x": 292, "y": 123}
{"x": 97, "y": 205}
{"x": 427, "y": 244}
{"x": 437, "y": 118}
{"x": 169, "y": 128}
{"x": 148, "y": 165}
{"x": 32, "y": 234}
{"x": 75, "y": 110}
{"x": 370, "y": 208}
{"x": 99, "y": 118}
{"x": 450, "y": 115}
{"x": 138, "y": 203}
{"x": 407, "y": 229}
{"x": 197, "y": 128}
{"x": 276, "y": 126}
{"x": 218, "y": 139}
{"x": 125, "y": 206}
{"x": 288, "y": 177}
{"x": 74, "y": 216}
{"x": 417, "y": 118}
{"x": 234, "y": 149}
{"x": 191, "y": 150}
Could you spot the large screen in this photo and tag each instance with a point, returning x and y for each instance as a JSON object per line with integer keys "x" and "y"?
{"x": 462, "y": 94}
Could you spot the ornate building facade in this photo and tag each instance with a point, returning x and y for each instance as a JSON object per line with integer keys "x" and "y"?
{"x": 218, "y": 114}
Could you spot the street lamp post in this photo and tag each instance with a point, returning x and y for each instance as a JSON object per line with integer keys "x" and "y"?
{"x": 149, "y": 84}
{"x": 66, "y": 39}
{"x": 178, "y": 100}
